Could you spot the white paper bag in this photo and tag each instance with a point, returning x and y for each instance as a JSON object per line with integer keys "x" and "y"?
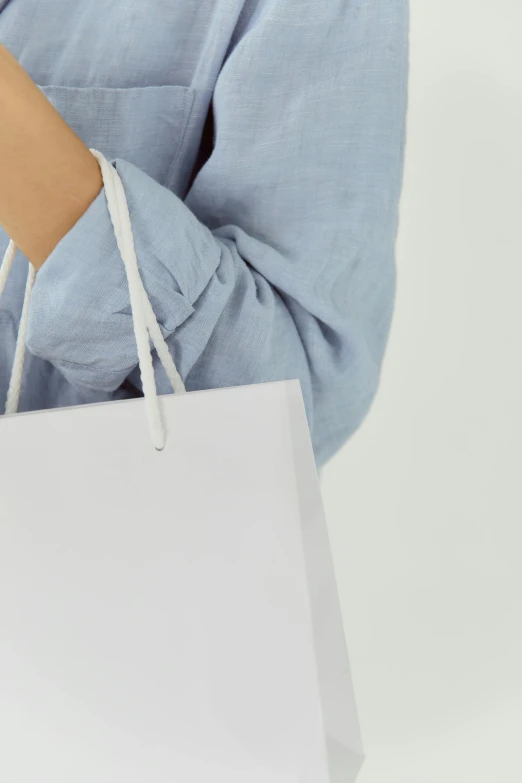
{"x": 170, "y": 615}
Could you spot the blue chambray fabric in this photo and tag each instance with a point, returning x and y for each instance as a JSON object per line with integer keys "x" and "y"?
{"x": 261, "y": 147}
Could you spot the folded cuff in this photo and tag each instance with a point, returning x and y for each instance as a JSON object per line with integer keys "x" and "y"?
{"x": 80, "y": 317}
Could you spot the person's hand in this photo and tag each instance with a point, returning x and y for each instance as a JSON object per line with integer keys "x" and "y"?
{"x": 48, "y": 177}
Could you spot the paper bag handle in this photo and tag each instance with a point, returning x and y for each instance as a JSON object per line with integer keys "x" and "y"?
{"x": 143, "y": 318}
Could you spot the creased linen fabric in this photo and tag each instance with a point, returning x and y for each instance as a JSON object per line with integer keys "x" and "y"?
{"x": 261, "y": 147}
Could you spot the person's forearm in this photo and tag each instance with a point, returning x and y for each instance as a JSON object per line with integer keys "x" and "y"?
{"x": 48, "y": 177}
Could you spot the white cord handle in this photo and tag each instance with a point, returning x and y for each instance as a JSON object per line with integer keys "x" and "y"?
{"x": 143, "y": 318}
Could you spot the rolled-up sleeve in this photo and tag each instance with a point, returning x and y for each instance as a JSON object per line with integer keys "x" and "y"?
{"x": 279, "y": 263}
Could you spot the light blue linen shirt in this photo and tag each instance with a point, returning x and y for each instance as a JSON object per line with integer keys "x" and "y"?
{"x": 260, "y": 144}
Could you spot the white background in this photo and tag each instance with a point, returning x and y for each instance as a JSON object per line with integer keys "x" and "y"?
{"x": 424, "y": 503}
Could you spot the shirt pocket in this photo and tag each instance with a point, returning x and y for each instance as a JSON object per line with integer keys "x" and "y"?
{"x": 142, "y": 125}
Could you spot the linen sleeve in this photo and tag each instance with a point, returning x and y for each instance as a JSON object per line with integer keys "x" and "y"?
{"x": 279, "y": 263}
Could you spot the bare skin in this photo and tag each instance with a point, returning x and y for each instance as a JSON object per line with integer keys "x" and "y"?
{"x": 48, "y": 177}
